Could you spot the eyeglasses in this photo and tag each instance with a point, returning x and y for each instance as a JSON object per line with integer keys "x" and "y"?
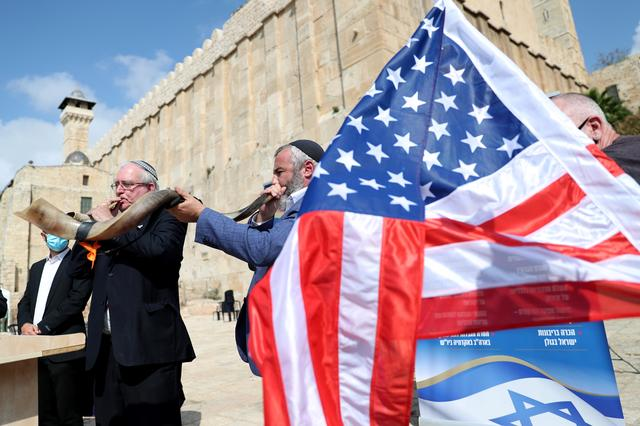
{"x": 126, "y": 185}
{"x": 583, "y": 123}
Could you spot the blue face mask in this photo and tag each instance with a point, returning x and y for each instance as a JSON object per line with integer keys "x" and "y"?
{"x": 56, "y": 243}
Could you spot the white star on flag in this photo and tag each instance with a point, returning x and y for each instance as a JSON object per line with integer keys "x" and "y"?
{"x": 438, "y": 129}
{"x": 346, "y": 158}
{"x": 480, "y": 114}
{"x": 376, "y": 152}
{"x": 373, "y": 91}
{"x": 404, "y": 142}
{"x": 466, "y": 170}
{"x": 341, "y": 190}
{"x": 474, "y": 142}
{"x": 421, "y": 64}
{"x": 427, "y": 24}
{"x": 411, "y": 40}
{"x": 371, "y": 183}
{"x": 395, "y": 77}
{"x": 401, "y": 201}
{"x": 455, "y": 75}
{"x": 412, "y": 102}
{"x": 319, "y": 171}
{"x": 446, "y": 101}
{"x": 357, "y": 123}
{"x": 398, "y": 178}
{"x": 510, "y": 145}
{"x": 384, "y": 115}
{"x": 431, "y": 159}
{"x": 425, "y": 191}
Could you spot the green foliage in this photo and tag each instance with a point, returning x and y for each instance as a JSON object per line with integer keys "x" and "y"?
{"x": 630, "y": 125}
{"x": 614, "y": 110}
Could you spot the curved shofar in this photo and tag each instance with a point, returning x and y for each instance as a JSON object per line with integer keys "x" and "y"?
{"x": 244, "y": 213}
{"x": 52, "y": 220}
{"x": 77, "y": 226}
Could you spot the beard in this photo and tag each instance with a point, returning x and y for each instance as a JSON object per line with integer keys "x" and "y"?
{"x": 296, "y": 183}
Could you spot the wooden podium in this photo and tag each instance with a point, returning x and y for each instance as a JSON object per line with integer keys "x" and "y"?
{"x": 19, "y": 373}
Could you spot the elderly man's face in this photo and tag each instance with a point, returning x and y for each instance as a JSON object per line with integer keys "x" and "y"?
{"x": 129, "y": 185}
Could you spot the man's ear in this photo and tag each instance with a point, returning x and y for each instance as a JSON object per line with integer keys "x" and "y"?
{"x": 594, "y": 128}
{"x": 307, "y": 169}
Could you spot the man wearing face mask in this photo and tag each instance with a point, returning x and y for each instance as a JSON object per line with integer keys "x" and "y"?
{"x": 52, "y": 304}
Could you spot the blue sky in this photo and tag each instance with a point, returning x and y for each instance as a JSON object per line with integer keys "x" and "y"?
{"x": 116, "y": 50}
{"x": 603, "y": 26}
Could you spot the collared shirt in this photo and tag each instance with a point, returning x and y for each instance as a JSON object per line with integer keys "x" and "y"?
{"x": 294, "y": 198}
{"x": 51, "y": 265}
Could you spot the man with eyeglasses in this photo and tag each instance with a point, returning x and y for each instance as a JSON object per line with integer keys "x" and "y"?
{"x": 587, "y": 115}
{"x": 137, "y": 340}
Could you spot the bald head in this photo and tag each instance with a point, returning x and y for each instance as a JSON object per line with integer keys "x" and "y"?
{"x": 578, "y": 107}
{"x": 587, "y": 115}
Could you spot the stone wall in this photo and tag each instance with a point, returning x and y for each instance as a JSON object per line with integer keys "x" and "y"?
{"x": 278, "y": 70}
{"x": 625, "y": 75}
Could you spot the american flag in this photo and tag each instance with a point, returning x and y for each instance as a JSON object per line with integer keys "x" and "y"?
{"x": 455, "y": 198}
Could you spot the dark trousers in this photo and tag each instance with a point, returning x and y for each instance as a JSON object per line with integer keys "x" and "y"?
{"x": 141, "y": 395}
{"x": 60, "y": 392}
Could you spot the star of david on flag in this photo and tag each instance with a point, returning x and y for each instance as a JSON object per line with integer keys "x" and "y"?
{"x": 454, "y": 198}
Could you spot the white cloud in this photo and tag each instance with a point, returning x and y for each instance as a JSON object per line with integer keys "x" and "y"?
{"x": 104, "y": 117}
{"x": 635, "y": 48}
{"x": 46, "y": 92}
{"x": 142, "y": 73}
{"x": 25, "y": 139}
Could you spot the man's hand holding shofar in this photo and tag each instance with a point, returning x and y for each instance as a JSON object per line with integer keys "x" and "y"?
{"x": 268, "y": 209}
{"x": 189, "y": 210}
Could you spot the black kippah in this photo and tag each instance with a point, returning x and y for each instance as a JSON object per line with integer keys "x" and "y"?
{"x": 147, "y": 167}
{"x": 309, "y": 147}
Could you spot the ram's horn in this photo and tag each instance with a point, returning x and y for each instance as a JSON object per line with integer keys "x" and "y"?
{"x": 53, "y": 221}
{"x": 244, "y": 213}
{"x": 78, "y": 226}
{"x": 50, "y": 219}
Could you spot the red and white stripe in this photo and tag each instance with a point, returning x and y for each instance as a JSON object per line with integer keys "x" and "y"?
{"x": 333, "y": 328}
{"x": 541, "y": 253}
{"x": 551, "y": 237}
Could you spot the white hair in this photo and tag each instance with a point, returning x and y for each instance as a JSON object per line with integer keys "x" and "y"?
{"x": 580, "y": 105}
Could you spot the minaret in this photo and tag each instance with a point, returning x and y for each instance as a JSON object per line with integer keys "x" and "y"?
{"x": 75, "y": 118}
{"x": 554, "y": 19}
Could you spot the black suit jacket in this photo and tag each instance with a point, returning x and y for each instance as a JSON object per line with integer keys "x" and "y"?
{"x": 65, "y": 303}
{"x": 626, "y": 152}
{"x": 137, "y": 275}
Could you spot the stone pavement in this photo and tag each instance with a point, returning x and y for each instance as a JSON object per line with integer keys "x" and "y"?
{"x": 221, "y": 390}
{"x": 219, "y": 387}
{"x": 624, "y": 345}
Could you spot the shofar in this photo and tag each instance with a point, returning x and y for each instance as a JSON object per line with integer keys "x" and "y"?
{"x": 74, "y": 226}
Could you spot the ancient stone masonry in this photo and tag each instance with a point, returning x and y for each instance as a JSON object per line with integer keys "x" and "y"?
{"x": 278, "y": 70}
{"x": 626, "y": 76}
